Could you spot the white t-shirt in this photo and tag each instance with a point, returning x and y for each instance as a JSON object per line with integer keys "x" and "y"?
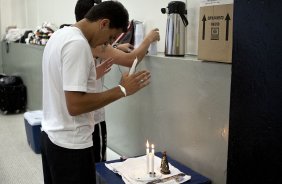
{"x": 68, "y": 65}
{"x": 99, "y": 114}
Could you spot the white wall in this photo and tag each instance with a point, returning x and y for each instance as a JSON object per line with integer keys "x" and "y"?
{"x": 5, "y": 15}
{"x": 32, "y": 13}
{"x": 13, "y": 12}
{"x": 54, "y": 11}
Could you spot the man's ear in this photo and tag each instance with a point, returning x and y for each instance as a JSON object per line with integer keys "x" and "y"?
{"x": 104, "y": 24}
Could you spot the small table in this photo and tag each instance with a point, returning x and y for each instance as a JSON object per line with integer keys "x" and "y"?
{"x": 104, "y": 175}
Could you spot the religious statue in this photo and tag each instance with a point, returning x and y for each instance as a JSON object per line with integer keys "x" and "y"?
{"x": 164, "y": 164}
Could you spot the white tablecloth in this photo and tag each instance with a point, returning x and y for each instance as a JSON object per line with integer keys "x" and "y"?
{"x": 132, "y": 169}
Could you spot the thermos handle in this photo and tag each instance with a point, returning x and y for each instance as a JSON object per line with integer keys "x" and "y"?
{"x": 184, "y": 19}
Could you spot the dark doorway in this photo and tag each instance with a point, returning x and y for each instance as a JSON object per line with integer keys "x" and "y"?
{"x": 255, "y": 131}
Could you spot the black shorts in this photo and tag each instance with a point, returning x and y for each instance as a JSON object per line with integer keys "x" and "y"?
{"x": 100, "y": 141}
{"x": 66, "y": 166}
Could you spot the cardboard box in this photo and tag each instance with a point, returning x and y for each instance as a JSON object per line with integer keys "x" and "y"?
{"x": 215, "y": 32}
{"x": 32, "y": 122}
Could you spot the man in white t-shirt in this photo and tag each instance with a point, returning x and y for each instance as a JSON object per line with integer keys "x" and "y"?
{"x": 69, "y": 98}
{"x": 119, "y": 57}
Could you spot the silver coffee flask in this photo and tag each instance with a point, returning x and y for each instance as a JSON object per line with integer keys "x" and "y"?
{"x": 175, "y": 39}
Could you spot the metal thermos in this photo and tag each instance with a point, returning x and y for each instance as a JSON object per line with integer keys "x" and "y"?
{"x": 175, "y": 28}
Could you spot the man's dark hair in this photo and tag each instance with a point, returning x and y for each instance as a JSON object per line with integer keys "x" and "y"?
{"x": 112, "y": 10}
{"x": 82, "y": 7}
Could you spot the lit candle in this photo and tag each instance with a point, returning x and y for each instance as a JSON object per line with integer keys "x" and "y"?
{"x": 147, "y": 157}
{"x": 152, "y": 157}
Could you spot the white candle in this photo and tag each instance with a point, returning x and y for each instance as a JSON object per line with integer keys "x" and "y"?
{"x": 153, "y": 158}
{"x": 147, "y": 157}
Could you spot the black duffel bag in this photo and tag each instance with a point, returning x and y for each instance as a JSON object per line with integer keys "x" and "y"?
{"x": 13, "y": 94}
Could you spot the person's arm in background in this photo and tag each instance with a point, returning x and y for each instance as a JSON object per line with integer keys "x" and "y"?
{"x": 125, "y": 47}
{"x": 103, "y": 68}
{"x": 126, "y": 59}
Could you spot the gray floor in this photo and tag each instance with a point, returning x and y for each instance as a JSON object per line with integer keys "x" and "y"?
{"x": 18, "y": 163}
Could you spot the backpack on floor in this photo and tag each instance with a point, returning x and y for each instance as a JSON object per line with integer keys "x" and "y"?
{"x": 13, "y": 94}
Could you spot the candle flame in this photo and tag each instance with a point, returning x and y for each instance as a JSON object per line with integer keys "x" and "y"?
{"x": 153, "y": 146}
{"x": 147, "y": 144}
